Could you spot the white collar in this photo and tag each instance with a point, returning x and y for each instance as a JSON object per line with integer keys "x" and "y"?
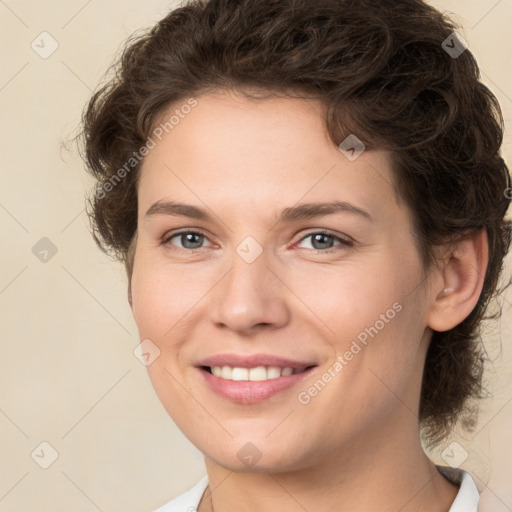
{"x": 468, "y": 496}
{"x": 466, "y": 500}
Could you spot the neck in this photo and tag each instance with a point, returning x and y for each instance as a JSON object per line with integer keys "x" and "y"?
{"x": 380, "y": 471}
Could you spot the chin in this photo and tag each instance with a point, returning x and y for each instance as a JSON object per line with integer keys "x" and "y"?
{"x": 243, "y": 456}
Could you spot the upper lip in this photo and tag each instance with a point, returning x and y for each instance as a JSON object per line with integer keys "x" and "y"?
{"x": 253, "y": 360}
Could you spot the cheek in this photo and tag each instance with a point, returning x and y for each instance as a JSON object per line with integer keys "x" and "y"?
{"x": 373, "y": 324}
{"x": 161, "y": 300}
{"x": 163, "y": 296}
{"x": 350, "y": 299}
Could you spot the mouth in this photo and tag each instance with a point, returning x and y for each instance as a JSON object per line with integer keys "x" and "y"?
{"x": 253, "y": 374}
{"x": 252, "y": 379}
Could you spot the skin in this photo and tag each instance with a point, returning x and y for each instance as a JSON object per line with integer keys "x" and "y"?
{"x": 355, "y": 445}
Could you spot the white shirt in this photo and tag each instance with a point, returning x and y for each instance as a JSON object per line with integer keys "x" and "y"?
{"x": 466, "y": 500}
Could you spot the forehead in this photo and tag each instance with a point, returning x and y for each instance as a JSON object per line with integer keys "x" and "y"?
{"x": 258, "y": 153}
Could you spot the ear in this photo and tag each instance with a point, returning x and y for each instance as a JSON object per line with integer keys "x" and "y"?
{"x": 458, "y": 283}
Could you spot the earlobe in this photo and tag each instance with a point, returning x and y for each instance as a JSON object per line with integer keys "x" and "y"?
{"x": 462, "y": 278}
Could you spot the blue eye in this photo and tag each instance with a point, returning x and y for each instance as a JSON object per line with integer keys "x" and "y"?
{"x": 188, "y": 239}
{"x": 322, "y": 241}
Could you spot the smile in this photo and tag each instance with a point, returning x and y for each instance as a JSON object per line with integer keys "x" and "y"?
{"x": 251, "y": 379}
{"x": 258, "y": 373}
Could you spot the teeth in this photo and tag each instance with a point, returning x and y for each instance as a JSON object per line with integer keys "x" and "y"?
{"x": 217, "y": 370}
{"x": 273, "y": 372}
{"x": 253, "y": 374}
{"x": 258, "y": 373}
{"x": 240, "y": 374}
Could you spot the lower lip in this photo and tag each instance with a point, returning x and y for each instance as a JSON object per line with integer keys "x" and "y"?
{"x": 251, "y": 392}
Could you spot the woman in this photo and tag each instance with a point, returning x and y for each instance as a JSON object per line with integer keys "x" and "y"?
{"x": 309, "y": 200}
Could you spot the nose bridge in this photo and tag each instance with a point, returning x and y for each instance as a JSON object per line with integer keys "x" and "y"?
{"x": 250, "y": 293}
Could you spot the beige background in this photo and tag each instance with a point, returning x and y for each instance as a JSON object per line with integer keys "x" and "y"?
{"x": 68, "y": 376}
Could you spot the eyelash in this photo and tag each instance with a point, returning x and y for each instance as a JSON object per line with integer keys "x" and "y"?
{"x": 346, "y": 242}
{"x": 343, "y": 241}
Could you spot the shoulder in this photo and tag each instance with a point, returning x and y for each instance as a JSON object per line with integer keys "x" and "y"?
{"x": 188, "y": 501}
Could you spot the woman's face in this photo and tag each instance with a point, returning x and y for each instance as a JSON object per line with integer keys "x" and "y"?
{"x": 242, "y": 277}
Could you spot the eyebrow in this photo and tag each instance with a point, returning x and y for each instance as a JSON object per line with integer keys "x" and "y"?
{"x": 301, "y": 211}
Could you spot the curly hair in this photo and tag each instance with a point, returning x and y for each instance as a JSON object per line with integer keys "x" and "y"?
{"x": 383, "y": 72}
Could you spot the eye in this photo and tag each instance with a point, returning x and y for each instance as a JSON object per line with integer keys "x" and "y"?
{"x": 188, "y": 240}
{"x": 323, "y": 241}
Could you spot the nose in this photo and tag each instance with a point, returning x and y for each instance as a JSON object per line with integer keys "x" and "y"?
{"x": 250, "y": 297}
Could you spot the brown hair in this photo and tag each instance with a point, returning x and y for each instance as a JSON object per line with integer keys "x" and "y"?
{"x": 383, "y": 72}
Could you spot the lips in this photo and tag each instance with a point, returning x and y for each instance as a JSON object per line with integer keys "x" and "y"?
{"x": 252, "y": 379}
{"x": 253, "y": 361}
